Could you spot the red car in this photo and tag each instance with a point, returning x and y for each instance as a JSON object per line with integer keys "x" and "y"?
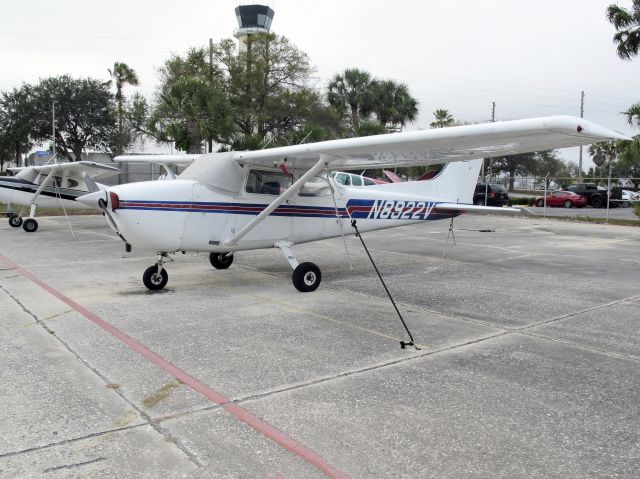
{"x": 568, "y": 199}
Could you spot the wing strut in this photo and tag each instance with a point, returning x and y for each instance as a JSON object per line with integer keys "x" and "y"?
{"x": 32, "y": 211}
{"x": 292, "y": 190}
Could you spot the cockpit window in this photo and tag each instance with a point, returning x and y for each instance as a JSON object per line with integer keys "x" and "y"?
{"x": 356, "y": 180}
{"x": 268, "y": 182}
{"x": 71, "y": 183}
{"x": 344, "y": 179}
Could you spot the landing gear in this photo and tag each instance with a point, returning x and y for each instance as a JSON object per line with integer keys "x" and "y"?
{"x": 220, "y": 260}
{"x": 306, "y": 276}
{"x": 155, "y": 277}
{"x": 30, "y": 225}
{"x": 15, "y": 221}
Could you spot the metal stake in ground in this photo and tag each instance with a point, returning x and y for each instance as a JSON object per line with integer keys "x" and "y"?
{"x": 403, "y": 344}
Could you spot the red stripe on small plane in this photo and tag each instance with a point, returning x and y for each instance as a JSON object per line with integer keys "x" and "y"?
{"x": 264, "y": 428}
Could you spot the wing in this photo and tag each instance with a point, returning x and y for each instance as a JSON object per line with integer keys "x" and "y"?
{"x": 168, "y": 160}
{"x": 438, "y": 145}
{"x": 95, "y": 170}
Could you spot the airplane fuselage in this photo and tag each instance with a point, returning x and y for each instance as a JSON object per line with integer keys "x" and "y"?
{"x": 17, "y": 191}
{"x": 185, "y": 215}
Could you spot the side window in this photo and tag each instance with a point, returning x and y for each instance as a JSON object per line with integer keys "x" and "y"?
{"x": 356, "y": 180}
{"x": 368, "y": 182}
{"x": 343, "y": 178}
{"x": 71, "y": 183}
{"x": 268, "y": 182}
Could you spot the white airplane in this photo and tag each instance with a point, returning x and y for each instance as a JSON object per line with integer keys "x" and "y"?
{"x": 60, "y": 184}
{"x": 280, "y": 197}
{"x": 52, "y": 185}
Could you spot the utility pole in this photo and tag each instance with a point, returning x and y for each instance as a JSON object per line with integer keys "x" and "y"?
{"x": 580, "y": 157}
{"x": 210, "y": 142}
{"x": 486, "y": 183}
{"x": 53, "y": 127}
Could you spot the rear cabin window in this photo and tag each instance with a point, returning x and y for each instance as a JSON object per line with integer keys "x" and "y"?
{"x": 268, "y": 182}
{"x": 368, "y": 182}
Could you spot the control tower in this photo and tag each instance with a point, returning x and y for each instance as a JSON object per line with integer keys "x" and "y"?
{"x": 252, "y": 19}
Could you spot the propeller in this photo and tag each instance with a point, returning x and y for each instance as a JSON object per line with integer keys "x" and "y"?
{"x": 100, "y": 198}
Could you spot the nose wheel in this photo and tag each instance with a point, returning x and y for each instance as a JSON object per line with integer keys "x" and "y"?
{"x": 156, "y": 277}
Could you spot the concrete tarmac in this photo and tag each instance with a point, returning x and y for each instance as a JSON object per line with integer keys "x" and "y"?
{"x": 529, "y": 331}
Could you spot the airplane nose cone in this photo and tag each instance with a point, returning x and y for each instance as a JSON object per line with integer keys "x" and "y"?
{"x": 92, "y": 199}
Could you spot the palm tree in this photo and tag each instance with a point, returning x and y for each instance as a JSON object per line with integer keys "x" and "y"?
{"x": 633, "y": 114}
{"x": 392, "y": 104}
{"x": 349, "y": 90}
{"x": 443, "y": 119}
{"x": 602, "y": 153}
{"x": 627, "y": 24}
{"x": 122, "y": 74}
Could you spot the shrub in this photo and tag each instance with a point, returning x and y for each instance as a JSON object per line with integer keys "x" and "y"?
{"x": 521, "y": 200}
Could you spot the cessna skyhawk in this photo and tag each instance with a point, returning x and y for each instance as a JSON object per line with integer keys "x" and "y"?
{"x": 280, "y": 197}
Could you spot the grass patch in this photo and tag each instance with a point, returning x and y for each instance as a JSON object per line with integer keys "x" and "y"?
{"x": 46, "y": 211}
{"x": 591, "y": 219}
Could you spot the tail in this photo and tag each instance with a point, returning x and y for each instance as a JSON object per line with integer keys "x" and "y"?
{"x": 455, "y": 183}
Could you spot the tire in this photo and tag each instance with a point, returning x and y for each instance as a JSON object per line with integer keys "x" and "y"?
{"x": 306, "y": 277}
{"x": 154, "y": 281}
{"x": 626, "y": 204}
{"x": 15, "y": 221}
{"x": 540, "y": 203}
{"x": 30, "y": 225}
{"x": 220, "y": 260}
{"x": 568, "y": 204}
{"x": 596, "y": 202}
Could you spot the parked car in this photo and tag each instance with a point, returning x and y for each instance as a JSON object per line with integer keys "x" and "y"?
{"x": 497, "y": 195}
{"x": 595, "y": 196}
{"x": 568, "y": 199}
{"x": 628, "y": 197}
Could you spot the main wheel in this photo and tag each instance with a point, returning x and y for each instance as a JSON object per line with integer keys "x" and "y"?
{"x": 30, "y": 225}
{"x": 568, "y": 204}
{"x": 220, "y": 260}
{"x": 596, "y": 202}
{"x": 154, "y": 280}
{"x": 626, "y": 204}
{"x": 15, "y": 221}
{"x": 306, "y": 277}
{"x": 540, "y": 203}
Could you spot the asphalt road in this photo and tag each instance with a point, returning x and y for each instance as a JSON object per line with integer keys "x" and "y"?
{"x": 614, "y": 213}
{"x": 528, "y": 367}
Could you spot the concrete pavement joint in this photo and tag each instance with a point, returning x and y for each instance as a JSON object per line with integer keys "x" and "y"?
{"x": 577, "y": 313}
{"x": 146, "y": 417}
{"x": 72, "y": 440}
{"x": 73, "y": 466}
{"x": 591, "y": 349}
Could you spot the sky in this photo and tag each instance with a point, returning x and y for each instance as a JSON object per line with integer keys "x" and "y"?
{"x": 530, "y": 58}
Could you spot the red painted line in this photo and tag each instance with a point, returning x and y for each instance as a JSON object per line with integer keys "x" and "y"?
{"x": 264, "y": 428}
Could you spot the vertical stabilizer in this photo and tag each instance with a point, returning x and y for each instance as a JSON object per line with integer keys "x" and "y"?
{"x": 455, "y": 183}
